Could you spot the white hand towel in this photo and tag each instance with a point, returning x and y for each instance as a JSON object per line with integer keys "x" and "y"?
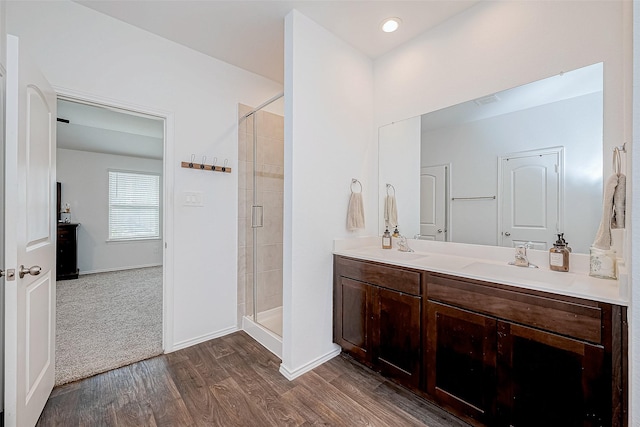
{"x": 355, "y": 213}
{"x": 603, "y": 236}
{"x": 390, "y": 211}
{"x": 619, "y": 202}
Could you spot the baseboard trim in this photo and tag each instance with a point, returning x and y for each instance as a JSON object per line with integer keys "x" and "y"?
{"x": 109, "y": 270}
{"x": 202, "y": 338}
{"x": 293, "y": 374}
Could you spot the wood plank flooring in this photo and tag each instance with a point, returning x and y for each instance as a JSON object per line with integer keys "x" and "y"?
{"x": 233, "y": 381}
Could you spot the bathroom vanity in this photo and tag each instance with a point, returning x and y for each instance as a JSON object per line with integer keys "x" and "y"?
{"x": 494, "y": 349}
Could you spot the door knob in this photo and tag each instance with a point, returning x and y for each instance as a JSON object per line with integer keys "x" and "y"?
{"x": 507, "y": 234}
{"x": 34, "y": 271}
{"x": 439, "y": 230}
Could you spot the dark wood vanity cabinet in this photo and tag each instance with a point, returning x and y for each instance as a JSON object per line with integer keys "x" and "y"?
{"x": 492, "y": 354}
{"x": 461, "y": 360}
{"x": 547, "y": 379}
{"x": 377, "y": 317}
{"x": 512, "y": 357}
{"x": 352, "y": 327}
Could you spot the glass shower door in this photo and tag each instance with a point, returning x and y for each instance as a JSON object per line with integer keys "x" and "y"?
{"x": 266, "y": 219}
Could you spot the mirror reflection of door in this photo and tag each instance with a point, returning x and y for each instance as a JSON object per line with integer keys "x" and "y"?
{"x": 531, "y": 198}
{"x": 433, "y": 202}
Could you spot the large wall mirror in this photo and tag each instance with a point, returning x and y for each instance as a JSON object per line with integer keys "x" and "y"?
{"x": 516, "y": 166}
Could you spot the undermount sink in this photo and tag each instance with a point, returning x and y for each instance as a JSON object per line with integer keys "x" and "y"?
{"x": 436, "y": 262}
{"x": 510, "y": 272}
{"x": 390, "y": 254}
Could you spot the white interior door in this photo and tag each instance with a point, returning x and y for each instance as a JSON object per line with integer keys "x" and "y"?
{"x": 530, "y": 200}
{"x": 29, "y": 239}
{"x": 433, "y": 202}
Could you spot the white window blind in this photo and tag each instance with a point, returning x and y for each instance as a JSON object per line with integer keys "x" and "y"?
{"x": 134, "y": 205}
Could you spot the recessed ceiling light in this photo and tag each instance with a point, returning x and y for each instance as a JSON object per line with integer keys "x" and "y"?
{"x": 390, "y": 24}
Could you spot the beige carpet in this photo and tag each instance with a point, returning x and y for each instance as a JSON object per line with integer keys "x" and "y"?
{"x": 107, "y": 320}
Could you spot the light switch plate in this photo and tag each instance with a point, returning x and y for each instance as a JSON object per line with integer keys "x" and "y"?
{"x": 193, "y": 198}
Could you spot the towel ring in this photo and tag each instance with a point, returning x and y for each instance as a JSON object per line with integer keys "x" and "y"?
{"x": 394, "y": 190}
{"x": 355, "y": 181}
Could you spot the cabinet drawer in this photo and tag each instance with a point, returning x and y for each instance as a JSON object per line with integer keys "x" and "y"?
{"x": 65, "y": 234}
{"x": 573, "y": 319}
{"x": 396, "y": 278}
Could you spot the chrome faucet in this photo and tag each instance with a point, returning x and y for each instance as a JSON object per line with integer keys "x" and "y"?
{"x": 521, "y": 259}
{"x": 403, "y": 246}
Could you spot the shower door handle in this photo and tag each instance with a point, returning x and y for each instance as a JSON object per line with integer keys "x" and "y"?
{"x": 257, "y": 216}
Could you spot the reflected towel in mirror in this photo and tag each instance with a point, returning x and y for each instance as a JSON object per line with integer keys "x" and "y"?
{"x": 390, "y": 211}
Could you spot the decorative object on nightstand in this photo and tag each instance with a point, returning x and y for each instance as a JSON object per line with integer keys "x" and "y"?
{"x": 65, "y": 215}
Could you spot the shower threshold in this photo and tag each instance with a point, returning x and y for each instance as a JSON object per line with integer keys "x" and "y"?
{"x": 263, "y": 332}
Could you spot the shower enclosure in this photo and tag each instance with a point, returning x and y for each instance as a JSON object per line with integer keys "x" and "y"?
{"x": 260, "y": 222}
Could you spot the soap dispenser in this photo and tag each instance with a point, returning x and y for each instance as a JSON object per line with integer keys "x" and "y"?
{"x": 559, "y": 255}
{"x": 565, "y": 242}
{"x": 386, "y": 239}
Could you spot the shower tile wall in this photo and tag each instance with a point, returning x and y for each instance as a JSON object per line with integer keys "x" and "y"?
{"x": 270, "y": 183}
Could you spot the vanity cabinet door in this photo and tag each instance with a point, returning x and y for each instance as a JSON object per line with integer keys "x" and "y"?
{"x": 546, "y": 379}
{"x": 461, "y": 360}
{"x": 397, "y": 336}
{"x": 352, "y": 318}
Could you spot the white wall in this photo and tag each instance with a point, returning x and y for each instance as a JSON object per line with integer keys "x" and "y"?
{"x": 473, "y": 148}
{"x": 85, "y": 186}
{"x": 87, "y": 52}
{"x": 328, "y": 141}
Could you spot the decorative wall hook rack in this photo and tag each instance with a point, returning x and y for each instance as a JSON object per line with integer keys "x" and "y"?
{"x": 206, "y": 167}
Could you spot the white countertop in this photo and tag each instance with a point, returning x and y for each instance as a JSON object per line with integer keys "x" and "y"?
{"x": 490, "y": 263}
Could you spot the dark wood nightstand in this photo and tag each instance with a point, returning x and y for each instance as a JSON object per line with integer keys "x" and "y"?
{"x": 67, "y": 251}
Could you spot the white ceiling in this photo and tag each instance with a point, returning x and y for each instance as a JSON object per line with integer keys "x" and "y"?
{"x": 110, "y": 131}
{"x": 247, "y": 34}
{"x": 250, "y": 34}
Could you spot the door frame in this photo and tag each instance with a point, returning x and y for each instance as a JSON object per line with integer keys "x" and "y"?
{"x": 167, "y": 205}
{"x": 559, "y": 151}
{"x": 3, "y": 112}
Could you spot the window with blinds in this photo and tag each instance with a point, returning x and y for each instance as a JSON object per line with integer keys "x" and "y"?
{"x": 134, "y": 205}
